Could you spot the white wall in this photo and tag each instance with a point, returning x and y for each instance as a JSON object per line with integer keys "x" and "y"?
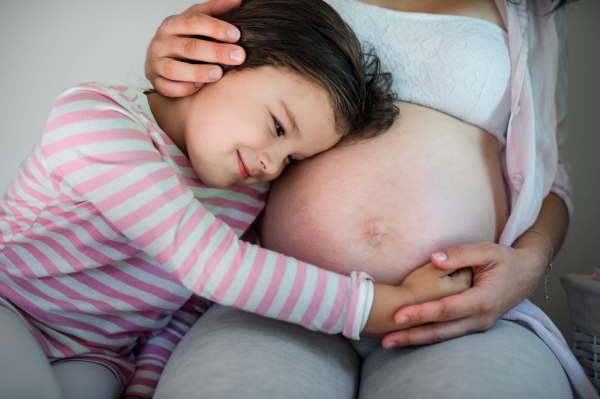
{"x": 48, "y": 46}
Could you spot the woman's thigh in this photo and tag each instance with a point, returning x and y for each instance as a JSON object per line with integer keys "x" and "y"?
{"x": 507, "y": 361}
{"x": 230, "y": 353}
{"x": 82, "y": 379}
{"x": 24, "y": 368}
{"x": 25, "y": 371}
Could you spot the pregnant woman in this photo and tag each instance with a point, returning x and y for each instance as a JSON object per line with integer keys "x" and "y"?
{"x": 469, "y": 173}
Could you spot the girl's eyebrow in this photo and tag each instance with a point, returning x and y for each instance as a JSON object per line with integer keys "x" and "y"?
{"x": 290, "y": 118}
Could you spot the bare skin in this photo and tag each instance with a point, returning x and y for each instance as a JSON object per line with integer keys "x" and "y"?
{"x": 503, "y": 276}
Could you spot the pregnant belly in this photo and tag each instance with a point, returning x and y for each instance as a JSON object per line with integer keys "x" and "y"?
{"x": 383, "y": 206}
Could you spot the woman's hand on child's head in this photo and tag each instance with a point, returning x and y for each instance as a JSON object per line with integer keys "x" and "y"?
{"x": 172, "y": 43}
{"x": 500, "y": 282}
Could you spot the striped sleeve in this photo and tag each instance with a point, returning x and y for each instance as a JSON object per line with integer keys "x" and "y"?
{"x": 95, "y": 150}
{"x": 562, "y": 182}
{"x": 152, "y": 356}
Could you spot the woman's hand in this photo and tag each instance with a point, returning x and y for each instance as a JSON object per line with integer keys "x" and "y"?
{"x": 502, "y": 277}
{"x": 172, "y": 43}
{"x": 426, "y": 283}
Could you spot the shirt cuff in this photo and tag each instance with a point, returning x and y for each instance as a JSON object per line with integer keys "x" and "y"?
{"x": 361, "y": 301}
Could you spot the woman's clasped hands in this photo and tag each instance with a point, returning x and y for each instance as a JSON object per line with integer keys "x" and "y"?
{"x": 502, "y": 277}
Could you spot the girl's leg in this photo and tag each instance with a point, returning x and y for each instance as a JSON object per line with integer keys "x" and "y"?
{"x": 24, "y": 369}
{"x": 508, "y": 361}
{"x": 80, "y": 379}
{"x": 230, "y": 353}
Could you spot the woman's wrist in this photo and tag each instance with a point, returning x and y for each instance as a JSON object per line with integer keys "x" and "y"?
{"x": 535, "y": 250}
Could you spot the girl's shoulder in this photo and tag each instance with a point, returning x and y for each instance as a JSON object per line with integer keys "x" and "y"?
{"x": 101, "y": 96}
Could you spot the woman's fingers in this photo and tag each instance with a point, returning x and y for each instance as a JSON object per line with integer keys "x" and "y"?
{"x": 172, "y": 43}
{"x": 214, "y": 7}
{"x": 191, "y": 23}
{"x": 175, "y": 70}
{"x": 469, "y": 303}
{"x": 431, "y": 333}
{"x": 169, "y": 88}
{"x": 189, "y": 48}
{"x": 469, "y": 255}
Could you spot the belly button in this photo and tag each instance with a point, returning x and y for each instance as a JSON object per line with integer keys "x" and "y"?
{"x": 374, "y": 231}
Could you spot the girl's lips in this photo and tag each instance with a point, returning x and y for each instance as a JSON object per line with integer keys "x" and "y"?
{"x": 243, "y": 169}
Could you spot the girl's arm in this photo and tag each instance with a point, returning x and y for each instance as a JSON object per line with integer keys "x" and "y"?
{"x": 97, "y": 149}
{"x": 153, "y": 355}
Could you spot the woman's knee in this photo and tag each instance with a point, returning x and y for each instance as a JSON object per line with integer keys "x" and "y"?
{"x": 506, "y": 361}
{"x": 232, "y": 353}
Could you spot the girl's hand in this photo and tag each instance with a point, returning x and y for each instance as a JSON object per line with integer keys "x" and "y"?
{"x": 502, "y": 277}
{"x": 429, "y": 283}
{"x": 172, "y": 43}
{"x": 426, "y": 283}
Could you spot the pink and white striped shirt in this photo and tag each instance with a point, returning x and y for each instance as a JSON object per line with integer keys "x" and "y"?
{"x": 106, "y": 234}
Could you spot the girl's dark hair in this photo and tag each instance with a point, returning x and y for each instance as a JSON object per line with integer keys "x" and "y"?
{"x": 310, "y": 38}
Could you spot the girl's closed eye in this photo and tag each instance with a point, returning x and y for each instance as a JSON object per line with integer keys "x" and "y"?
{"x": 281, "y": 132}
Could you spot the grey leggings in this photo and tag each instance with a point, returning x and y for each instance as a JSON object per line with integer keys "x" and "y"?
{"x": 25, "y": 372}
{"x": 232, "y": 354}
{"x": 229, "y": 353}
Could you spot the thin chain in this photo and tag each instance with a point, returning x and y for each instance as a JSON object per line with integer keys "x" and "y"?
{"x": 549, "y": 267}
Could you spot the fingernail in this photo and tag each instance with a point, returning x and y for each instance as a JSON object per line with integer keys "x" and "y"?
{"x": 198, "y": 84}
{"x": 236, "y": 55}
{"x": 390, "y": 345}
{"x": 233, "y": 34}
{"x": 215, "y": 73}
{"x": 441, "y": 256}
{"x": 402, "y": 320}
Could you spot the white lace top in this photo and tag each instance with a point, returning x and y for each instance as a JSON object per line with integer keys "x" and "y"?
{"x": 455, "y": 64}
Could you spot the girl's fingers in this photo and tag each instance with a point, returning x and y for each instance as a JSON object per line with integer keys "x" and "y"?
{"x": 431, "y": 333}
{"x": 463, "y": 278}
{"x": 453, "y": 307}
{"x": 178, "y": 71}
{"x": 170, "y": 88}
{"x": 189, "y": 24}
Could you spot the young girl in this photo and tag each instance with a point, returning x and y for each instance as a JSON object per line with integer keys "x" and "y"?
{"x": 130, "y": 204}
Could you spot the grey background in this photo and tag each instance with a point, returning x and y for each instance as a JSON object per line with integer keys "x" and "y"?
{"x": 47, "y": 46}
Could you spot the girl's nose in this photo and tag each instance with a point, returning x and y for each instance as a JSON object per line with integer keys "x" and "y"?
{"x": 270, "y": 163}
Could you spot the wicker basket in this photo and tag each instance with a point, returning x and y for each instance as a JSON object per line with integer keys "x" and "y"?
{"x": 586, "y": 347}
{"x": 583, "y": 294}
